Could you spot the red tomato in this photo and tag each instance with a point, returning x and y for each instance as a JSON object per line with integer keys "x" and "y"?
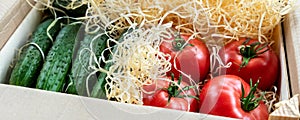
{"x": 263, "y": 64}
{"x": 192, "y": 59}
{"x": 165, "y": 96}
{"x": 223, "y": 96}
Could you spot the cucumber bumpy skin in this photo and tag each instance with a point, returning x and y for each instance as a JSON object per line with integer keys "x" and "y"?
{"x": 30, "y": 62}
{"x": 80, "y": 68}
{"x": 98, "y": 90}
{"x": 58, "y": 61}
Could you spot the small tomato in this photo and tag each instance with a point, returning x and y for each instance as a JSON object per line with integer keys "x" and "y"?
{"x": 168, "y": 95}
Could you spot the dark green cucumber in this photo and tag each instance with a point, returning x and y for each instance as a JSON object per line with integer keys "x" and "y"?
{"x": 58, "y": 61}
{"x": 80, "y": 70}
{"x": 98, "y": 90}
{"x": 29, "y": 64}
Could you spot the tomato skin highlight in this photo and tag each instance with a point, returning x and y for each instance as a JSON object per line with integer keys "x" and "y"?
{"x": 264, "y": 67}
{"x": 160, "y": 97}
{"x": 193, "y": 59}
{"x": 222, "y": 96}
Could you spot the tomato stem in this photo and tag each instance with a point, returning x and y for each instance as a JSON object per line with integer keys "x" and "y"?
{"x": 178, "y": 43}
{"x": 251, "y": 51}
{"x": 250, "y": 102}
{"x": 174, "y": 91}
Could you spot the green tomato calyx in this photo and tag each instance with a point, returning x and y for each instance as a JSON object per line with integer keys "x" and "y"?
{"x": 174, "y": 91}
{"x": 250, "y": 102}
{"x": 179, "y": 43}
{"x": 251, "y": 51}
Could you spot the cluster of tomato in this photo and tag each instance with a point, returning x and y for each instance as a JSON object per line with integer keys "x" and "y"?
{"x": 229, "y": 94}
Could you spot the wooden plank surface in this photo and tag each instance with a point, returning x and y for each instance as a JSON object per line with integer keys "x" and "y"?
{"x": 292, "y": 42}
{"x": 12, "y": 12}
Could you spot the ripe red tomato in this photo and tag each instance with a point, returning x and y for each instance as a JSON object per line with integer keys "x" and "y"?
{"x": 223, "y": 96}
{"x": 251, "y": 60}
{"x": 167, "y": 95}
{"x": 193, "y": 58}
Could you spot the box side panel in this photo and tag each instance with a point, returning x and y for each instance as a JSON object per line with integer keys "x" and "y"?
{"x": 292, "y": 41}
{"x": 19, "y": 103}
{"x": 12, "y": 12}
{"x": 278, "y": 46}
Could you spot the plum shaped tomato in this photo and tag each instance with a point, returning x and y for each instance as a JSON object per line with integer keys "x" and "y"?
{"x": 231, "y": 96}
{"x": 192, "y": 58}
{"x": 165, "y": 94}
{"x": 251, "y": 60}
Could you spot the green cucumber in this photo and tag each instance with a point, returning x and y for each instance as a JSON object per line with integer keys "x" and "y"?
{"x": 98, "y": 90}
{"x": 80, "y": 70}
{"x": 29, "y": 64}
{"x": 58, "y": 61}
